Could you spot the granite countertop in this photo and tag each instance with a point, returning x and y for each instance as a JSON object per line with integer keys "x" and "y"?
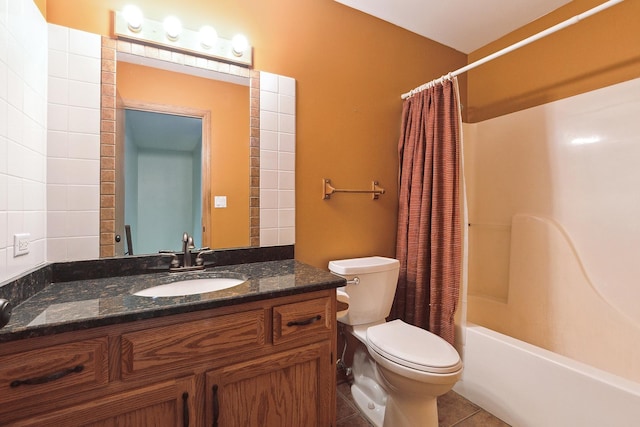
{"x": 81, "y": 304}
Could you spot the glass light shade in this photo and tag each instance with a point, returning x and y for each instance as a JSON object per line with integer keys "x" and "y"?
{"x": 207, "y": 36}
{"x": 239, "y": 43}
{"x": 173, "y": 27}
{"x": 133, "y": 16}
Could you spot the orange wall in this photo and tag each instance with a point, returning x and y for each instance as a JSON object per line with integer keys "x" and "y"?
{"x": 229, "y": 140}
{"x": 601, "y": 50}
{"x": 350, "y": 70}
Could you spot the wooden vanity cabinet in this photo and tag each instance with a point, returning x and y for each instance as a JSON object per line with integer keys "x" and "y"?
{"x": 164, "y": 404}
{"x": 264, "y": 363}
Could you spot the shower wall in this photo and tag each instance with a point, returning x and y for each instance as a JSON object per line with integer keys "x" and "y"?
{"x": 554, "y": 241}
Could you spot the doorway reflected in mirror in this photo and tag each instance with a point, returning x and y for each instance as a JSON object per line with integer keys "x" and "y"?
{"x": 163, "y": 185}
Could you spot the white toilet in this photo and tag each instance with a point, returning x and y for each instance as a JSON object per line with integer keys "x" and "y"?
{"x": 399, "y": 370}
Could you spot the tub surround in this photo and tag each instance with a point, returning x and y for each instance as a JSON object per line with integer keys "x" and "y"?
{"x": 63, "y": 297}
{"x": 553, "y": 242}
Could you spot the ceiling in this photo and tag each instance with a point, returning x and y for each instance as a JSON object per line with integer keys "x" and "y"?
{"x": 464, "y": 25}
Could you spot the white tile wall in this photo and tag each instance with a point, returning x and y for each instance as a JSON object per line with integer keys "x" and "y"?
{"x": 23, "y": 121}
{"x": 73, "y": 162}
{"x": 277, "y": 159}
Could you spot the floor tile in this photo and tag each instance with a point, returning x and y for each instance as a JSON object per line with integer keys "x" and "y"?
{"x": 344, "y": 408}
{"x": 452, "y": 408}
{"x": 353, "y": 421}
{"x": 482, "y": 419}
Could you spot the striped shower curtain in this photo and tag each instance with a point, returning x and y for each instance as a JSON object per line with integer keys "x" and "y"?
{"x": 429, "y": 230}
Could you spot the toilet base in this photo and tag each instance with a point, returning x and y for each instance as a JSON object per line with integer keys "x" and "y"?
{"x": 367, "y": 393}
{"x": 373, "y": 411}
{"x": 411, "y": 413}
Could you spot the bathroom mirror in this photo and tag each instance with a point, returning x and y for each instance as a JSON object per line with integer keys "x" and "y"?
{"x": 186, "y": 144}
{"x": 235, "y": 159}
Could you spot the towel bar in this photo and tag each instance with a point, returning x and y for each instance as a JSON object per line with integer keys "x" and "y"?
{"x": 328, "y": 190}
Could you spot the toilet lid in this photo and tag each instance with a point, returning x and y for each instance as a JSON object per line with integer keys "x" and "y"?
{"x": 413, "y": 347}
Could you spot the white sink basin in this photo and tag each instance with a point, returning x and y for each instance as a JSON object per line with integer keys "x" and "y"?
{"x": 190, "y": 287}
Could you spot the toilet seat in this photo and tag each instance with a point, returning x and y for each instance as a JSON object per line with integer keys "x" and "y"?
{"x": 413, "y": 347}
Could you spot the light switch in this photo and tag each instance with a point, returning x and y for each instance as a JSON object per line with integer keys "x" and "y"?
{"x": 220, "y": 202}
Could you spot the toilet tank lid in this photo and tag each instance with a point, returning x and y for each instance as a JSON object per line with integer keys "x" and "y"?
{"x": 371, "y": 264}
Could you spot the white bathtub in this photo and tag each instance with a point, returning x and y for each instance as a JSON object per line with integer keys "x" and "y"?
{"x": 526, "y": 385}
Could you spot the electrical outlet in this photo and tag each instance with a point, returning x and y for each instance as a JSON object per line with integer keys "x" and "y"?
{"x": 21, "y": 244}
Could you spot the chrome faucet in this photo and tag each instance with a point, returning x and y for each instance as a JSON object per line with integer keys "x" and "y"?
{"x": 187, "y": 245}
{"x": 187, "y": 263}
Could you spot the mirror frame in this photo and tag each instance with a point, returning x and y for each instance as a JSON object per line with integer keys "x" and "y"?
{"x": 108, "y": 117}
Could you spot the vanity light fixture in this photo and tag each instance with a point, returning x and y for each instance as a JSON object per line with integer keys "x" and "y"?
{"x": 173, "y": 27}
{"x": 207, "y": 36}
{"x": 239, "y": 44}
{"x": 133, "y": 17}
{"x": 171, "y": 35}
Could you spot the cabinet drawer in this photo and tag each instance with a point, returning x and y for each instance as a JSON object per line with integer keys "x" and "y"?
{"x": 301, "y": 319}
{"x": 192, "y": 342}
{"x": 31, "y": 377}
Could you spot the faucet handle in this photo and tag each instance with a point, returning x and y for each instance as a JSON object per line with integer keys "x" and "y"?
{"x": 200, "y": 259}
{"x": 175, "y": 262}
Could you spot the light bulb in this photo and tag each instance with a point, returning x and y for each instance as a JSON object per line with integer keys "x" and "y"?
{"x": 133, "y": 15}
{"x": 173, "y": 27}
{"x": 208, "y": 36}
{"x": 239, "y": 44}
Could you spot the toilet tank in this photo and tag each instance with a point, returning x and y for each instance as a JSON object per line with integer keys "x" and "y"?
{"x": 369, "y": 300}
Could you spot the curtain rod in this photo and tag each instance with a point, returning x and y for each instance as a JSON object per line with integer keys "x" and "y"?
{"x": 541, "y": 34}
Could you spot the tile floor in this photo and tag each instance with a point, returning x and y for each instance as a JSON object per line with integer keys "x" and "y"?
{"x": 453, "y": 410}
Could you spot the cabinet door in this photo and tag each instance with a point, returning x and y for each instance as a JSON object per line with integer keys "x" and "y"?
{"x": 169, "y": 403}
{"x": 288, "y": 389}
